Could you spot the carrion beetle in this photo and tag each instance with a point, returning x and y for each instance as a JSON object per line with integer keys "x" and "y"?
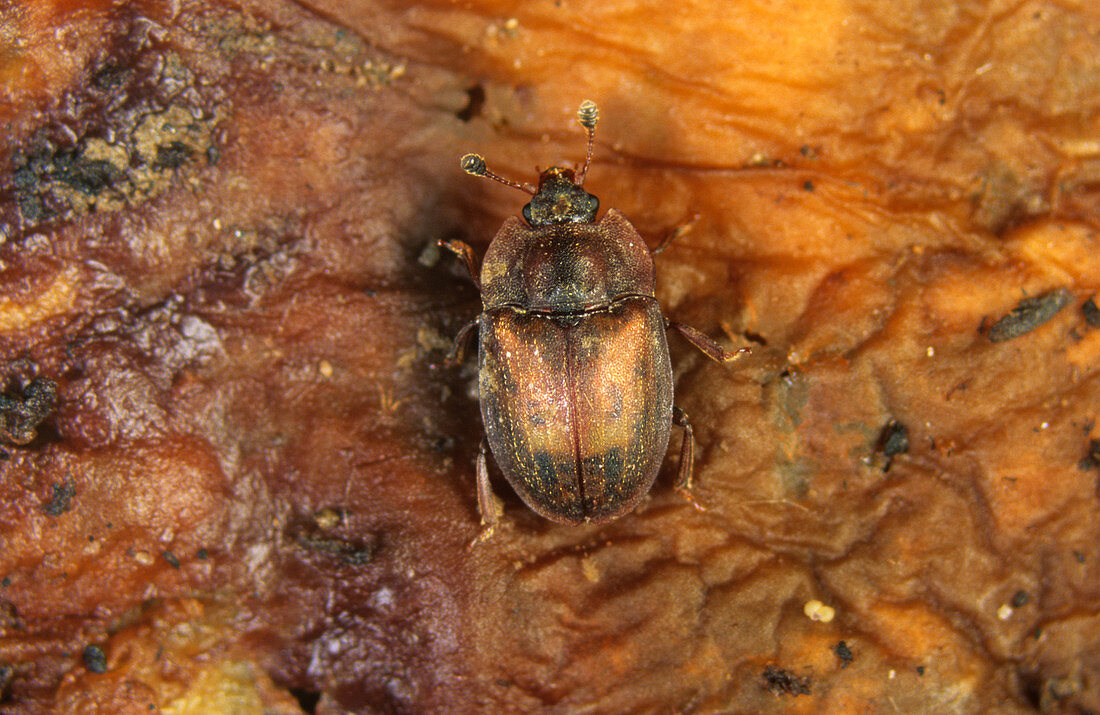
{"x": 575, "y": 381}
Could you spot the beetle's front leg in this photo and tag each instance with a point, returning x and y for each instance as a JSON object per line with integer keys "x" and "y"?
{"x": 488, "y": 504}
{"x": 462, "y": 341}
{"x": 466, "y": 253}
{"x": 674, "y": 234}
{"x": 687, "y": 457}
{"x": 708, "y": 347}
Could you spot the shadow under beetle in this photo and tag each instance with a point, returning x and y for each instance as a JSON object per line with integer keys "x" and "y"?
{"x": 574, "y": 375}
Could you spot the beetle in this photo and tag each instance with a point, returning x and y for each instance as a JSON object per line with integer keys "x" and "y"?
{"x": 574, "y": 376}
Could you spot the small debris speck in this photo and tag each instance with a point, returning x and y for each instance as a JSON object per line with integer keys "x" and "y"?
{"x": 1020, "y": 599}
{"x": 62, "y": 498}
{"x": 1004, "y": 612}
{"x": 171, "y": 559}
{"x": 95, "y": 659}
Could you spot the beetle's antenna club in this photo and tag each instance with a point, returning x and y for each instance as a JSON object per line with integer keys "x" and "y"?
{"x": 474, "y": 165}
{"x": 589, "y": 116}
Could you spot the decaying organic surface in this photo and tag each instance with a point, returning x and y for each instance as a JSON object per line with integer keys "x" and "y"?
{"x": 255, "y": 490}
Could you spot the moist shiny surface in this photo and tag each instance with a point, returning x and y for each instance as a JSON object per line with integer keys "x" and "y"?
{"x": 219, "y": 223}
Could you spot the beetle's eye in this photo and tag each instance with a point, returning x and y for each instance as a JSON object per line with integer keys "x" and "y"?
{"x": 527, "y": 214}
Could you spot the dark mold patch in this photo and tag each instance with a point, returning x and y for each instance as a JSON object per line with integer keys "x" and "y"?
{"x": 20, "y": 416}
{"x": 142, "y": 116}
{"x": 783, "y": 682}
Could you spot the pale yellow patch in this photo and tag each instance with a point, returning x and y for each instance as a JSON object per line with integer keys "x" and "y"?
{"x": 57, "y": 298}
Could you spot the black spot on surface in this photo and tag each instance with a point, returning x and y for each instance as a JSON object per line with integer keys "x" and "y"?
{"x": 844, "y": 653}
{"x": 475, "y": 100}
{"x": 307, "y": 699}
{"x": 892, "y": 441}
{"x": 1091, "y": 460}
{"x": 1091, "y": 313}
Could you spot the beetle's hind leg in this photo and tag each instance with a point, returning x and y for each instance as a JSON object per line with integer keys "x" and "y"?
{"x": 488, "y": 504}
{"x": 687, "y": 457}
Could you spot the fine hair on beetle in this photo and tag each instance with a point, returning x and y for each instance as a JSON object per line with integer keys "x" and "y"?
{"x": 574, "y": 375}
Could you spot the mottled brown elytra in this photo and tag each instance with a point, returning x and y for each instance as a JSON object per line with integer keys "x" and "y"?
{"x": 575, "y": 381}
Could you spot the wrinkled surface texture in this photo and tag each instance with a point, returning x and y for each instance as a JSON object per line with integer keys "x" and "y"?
{"x": 256, "y": 491}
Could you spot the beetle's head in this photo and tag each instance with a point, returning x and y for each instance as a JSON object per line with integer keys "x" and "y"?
{"x": 560, "y": 197}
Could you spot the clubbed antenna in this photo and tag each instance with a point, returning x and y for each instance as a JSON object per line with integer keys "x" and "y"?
{"x": 589, "y": 116}
{"x": 474, "y": 165}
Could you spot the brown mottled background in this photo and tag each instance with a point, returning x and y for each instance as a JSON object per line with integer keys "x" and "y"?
{"x": 256, "y": 490}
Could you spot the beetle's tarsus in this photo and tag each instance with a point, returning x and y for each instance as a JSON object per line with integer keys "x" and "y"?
{"x": 488, "y": 504}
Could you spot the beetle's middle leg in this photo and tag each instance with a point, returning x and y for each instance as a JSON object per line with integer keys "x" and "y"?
{"x": 462, "y": 341}
{"x": 488, "y": 504}
{"x": 708, "y": 347}
{"x": 687, "y": 456}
